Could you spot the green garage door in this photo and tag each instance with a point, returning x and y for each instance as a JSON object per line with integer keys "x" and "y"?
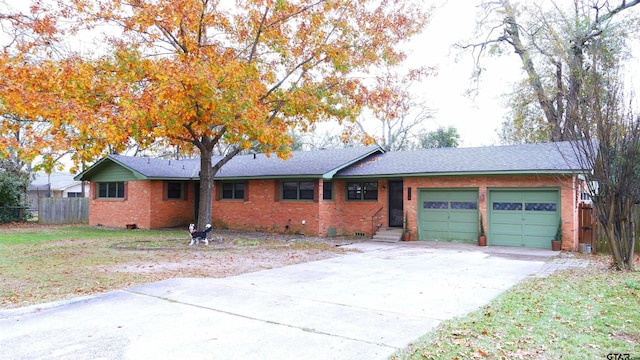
{"x": 448, "y": 215}
{"x": 523, "y": 217}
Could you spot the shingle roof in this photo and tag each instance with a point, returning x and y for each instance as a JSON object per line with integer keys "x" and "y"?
{"x": 366, "y": 161}
{"x": 529, "y": 158}
{"x": 318, "y": 163}
{"x": 160, "y": 168}
{"x": 323, "y": 162}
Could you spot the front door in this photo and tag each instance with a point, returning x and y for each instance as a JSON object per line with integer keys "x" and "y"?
{"x": 395, "y": 203}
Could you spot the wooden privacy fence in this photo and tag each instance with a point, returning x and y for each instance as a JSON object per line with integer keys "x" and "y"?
{"x": 590, "y": 232}
{"x": 63, "y": 210}
{"x": 587, "y": 225}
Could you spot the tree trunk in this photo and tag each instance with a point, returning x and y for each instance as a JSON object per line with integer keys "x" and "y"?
{"x": 208, "y": 171}
{"x": 632, "y": 240}
{"x": 205, "y": 209}
{"x": 513, "y": 33}
{"x": 556, "y": 130}
{"x": 576, "y": 65}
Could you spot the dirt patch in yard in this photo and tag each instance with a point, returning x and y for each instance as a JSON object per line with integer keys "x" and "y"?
{"x": 33, "y": 273}
{"x": 236, "y": 253}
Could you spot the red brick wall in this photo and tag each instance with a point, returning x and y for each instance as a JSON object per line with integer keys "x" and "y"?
{"x": 144, "y": 205}
{"x": 349, "y": 216}
{"x": 262, "y": 212}
{"x": 170, "y": 212}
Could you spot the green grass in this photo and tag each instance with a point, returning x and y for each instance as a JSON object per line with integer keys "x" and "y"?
{"x": 37, "y": 235}
{"x": 43, "y": 263}
{"x": 573, "y": 314}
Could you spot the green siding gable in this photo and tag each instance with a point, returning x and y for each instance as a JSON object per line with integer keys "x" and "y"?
{"x": 110, "y": 171}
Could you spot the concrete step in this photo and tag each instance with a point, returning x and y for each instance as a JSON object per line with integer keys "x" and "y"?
{"x": 388, "y": 235}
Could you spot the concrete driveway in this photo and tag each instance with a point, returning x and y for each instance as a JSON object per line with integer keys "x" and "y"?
{"x": 357, "y": 306}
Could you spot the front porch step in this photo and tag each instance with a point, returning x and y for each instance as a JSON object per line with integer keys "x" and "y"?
{"x": 388, "y": 235}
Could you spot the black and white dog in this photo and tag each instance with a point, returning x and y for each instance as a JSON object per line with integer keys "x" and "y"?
{"x": 196, "y": 236}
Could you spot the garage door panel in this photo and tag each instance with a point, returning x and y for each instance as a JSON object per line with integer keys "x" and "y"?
{"x": 502, "y": 240}
{"x": 463, "y": 217}
{"x": 541, "y": 196}
{"x": 448, "y": 215}
{"x": 506, "y": 195}
{"x": 441, "y": 226}
{"x": 507, "y": 216}
{"x": 460, "y": 236}
{"x": 465, "y": 227}
{"x": 541, "y": 220}
{"x": 435, "y": 215}
{"x": 538, "y": 230}
{"x": 511, "y": 229}
{"x": 523, "y": 217}
{"x": 537, "y": 241}
{"x": 436, "y": 235}
{"x": 464, "y": 231}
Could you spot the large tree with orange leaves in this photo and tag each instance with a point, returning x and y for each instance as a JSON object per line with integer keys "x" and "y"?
{"x": 195, "y": 73}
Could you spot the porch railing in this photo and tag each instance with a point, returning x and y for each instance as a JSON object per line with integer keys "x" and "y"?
{"x": 375, "y": 225}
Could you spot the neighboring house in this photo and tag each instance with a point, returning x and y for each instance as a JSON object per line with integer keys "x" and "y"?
{"x": 56, "y": 184}
{"x": 522, "y": 193}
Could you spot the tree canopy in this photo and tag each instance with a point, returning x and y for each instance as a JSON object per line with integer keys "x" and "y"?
{"x": 559, "y": 44}
{"x": 195, "y": 73}
{"x": 439, "y": 138}
{"x": 13, "y": 192}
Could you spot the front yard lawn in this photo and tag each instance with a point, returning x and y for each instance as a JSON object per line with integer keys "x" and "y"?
{"x": 573, "y": 314}
{"x": 47, "y": 263}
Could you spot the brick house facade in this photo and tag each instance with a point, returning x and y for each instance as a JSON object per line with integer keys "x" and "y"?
{"x": 144, "y": 204}
{"x": 349, "y": 192}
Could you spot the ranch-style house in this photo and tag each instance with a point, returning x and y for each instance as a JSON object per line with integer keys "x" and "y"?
{"x": 521, "y": 192}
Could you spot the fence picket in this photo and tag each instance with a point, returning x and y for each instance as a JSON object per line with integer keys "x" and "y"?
{"x": 601, "y": 245}
{"x": 63, "y": 210}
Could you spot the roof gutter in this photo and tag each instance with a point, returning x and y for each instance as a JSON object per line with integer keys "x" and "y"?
{"x": 466, "y": 173}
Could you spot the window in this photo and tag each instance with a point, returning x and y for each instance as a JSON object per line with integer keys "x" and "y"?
{"x": 306, "y": 190}
{"x": 370, "y": 191}
{"x": 111, "y": 190}
{"x": 435, "y": 205}
{"x": 327, "y": 190}
{"x": 453, "y": 205}
{"x": 507, "y": 206}
{"x": 540, "y": 207}
{"x": 297, "y": 190}
{"x": 175, "y": 190}
{"x": 362, "y": 191}
{"x": 354, "y": 191}
{"x": 74, "y": 194}
{"x": 464, "y": 205}
{"x": 233, "y": 190}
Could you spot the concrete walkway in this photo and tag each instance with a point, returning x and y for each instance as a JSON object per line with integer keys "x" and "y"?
{"x": 357, "y": 306}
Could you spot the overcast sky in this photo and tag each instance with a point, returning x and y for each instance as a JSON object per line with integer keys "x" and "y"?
{"x": 476, "y": 118}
